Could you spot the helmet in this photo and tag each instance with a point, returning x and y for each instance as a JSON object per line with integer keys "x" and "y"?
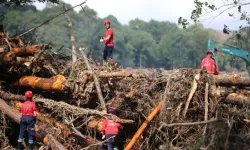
{"x": 107, "y": 22}
{"x": 28, "y": 94}
{"x": 209, "y": 51}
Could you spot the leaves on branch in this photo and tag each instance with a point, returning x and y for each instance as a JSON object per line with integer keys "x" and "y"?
{"x": 226, "y": 30}
{"x": 183, "y": 22}
{"x": 239, "y": 9}
{"x": 212, "y": 7}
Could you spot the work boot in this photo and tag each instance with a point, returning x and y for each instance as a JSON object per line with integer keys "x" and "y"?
{"x": 105, "y": 66}
{"x": 19, "y": 146}
{"x": 112, "y": 64}
{"x": 31, "y": 146}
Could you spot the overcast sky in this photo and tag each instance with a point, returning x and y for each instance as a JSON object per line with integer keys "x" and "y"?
{"x": 161, "y": 10}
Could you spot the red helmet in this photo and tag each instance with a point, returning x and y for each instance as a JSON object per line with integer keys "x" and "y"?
{"x": 107, "y": 22}
{"x": 209, "y": 51}
{"x": 28, "y": 94}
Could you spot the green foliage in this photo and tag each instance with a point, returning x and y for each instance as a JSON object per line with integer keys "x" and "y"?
{"x": 138, "y": 44}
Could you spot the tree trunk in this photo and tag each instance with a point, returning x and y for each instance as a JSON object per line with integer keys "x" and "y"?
{"x": 236, "y": 98}
{"x": 72, "y": 38}
{"x": 56, "y": 83}
{"x": 231, "y": 80}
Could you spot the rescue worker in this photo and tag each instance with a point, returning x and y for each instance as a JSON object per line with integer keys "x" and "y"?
{"x": 208, "y": 63}
{"x": 108, "y": 39}
{"x": 110, "y": 130}
{"x": 27, "y": 121}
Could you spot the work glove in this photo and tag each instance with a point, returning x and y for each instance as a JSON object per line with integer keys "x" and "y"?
{"x": 103, "y": 137}
{"x": 101, "y": 39}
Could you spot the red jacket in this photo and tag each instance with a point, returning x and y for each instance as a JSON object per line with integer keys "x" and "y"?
{"x": 208, "y": 64}
{"x": 110, "y": 127}
{"x": 109, "y": 42}
{"x": 28, "y": 108}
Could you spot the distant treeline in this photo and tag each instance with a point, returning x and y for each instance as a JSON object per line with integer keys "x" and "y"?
{"x": 138, "y": 44}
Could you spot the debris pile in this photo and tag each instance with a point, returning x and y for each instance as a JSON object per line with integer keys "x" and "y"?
{"x": 182, "y": 108}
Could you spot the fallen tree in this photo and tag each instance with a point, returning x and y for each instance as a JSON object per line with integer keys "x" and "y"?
{"x": 59, "y": 106}
{"x": 231, "y": 80}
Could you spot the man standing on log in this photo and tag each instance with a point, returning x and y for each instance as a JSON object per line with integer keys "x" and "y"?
{"x": 28, "y": 111}
{"x": 111, "y": 131}
{"x": 208, "y": 64}
{"x": 108, "y": 39}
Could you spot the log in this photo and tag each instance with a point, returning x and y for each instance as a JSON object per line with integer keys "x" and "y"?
{"x": 56, "y": 83}
{"x": 116, "y": 74}
{"x": 238, "y": 99}
{"x": 231, "y": 80}
{"x": 47, "y": 139}
{"x": 29, "y": 49}
{"x": 143, "y": 126}
{"x": 190, "y": 96}
{"x": 96, "y": 81}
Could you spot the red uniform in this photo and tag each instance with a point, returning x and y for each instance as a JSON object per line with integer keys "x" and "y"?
{"x": 110, "y": 127}
{"x": 28, "y": 108}
{"x": 208, "y": 64}
{"x": 109, "y": 42}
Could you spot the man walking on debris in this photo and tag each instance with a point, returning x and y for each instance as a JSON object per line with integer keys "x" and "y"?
{"x": 28, "y": 111}
{"x": 208, "y": 63}
{"x": 109, "y": 46}
{"x": 110, "y": 130}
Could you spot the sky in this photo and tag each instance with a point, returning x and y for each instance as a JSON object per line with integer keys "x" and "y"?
{"x": 160, "y": 10}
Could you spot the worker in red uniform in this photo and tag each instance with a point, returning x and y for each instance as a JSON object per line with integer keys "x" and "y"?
{"x": 108, "y": 39}
{"x": 28, "y": 111}
{"x": 209, "y": 64}
{"x": 111, "y": 130}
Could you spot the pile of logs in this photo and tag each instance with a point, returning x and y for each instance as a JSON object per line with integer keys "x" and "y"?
{"x": 170, "y": 109}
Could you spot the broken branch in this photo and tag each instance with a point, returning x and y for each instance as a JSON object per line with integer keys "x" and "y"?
{"x": 190, "y": 96}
